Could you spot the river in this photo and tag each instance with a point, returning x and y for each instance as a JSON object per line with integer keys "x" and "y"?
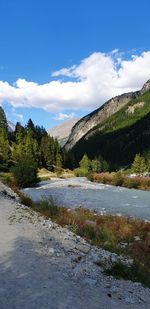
{"x": 79, "y": 192}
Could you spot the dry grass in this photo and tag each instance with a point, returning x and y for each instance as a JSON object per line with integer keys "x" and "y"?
{"x": 119, "y": 179}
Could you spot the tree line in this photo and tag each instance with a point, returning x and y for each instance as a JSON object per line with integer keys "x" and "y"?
{"x": 29, "y": 146}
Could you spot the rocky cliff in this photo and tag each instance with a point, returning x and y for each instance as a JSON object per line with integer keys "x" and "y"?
{"x": 62, "y": 131}
{"x": 83, "y": 126}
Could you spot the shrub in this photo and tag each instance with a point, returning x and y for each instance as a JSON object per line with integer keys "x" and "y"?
{"x": 24, "y": 172}
{"x": 117, "y": 179}
{"x": 81, "y": 172}
{"x": 131, "y": 183}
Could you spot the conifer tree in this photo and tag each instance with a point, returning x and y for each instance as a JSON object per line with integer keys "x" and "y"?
{"x": 85, "y": 162}
{"x": 19, "y": 133}
{"x": 139, "y": 165}
{"x": 58, "y": 166}
{"x": 4, "y": 149}
{"x": 3, "y": 120}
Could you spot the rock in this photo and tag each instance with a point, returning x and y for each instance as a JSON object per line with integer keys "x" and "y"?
{"x": 51, "y": 251}
{"x": 129, "y": 300}
{"x": 83, "y": 248}
{"x": 137, "y": 238}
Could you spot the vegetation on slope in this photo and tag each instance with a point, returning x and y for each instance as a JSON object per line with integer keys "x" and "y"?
{"x": 126, "y": 116}
{"x": 121, "y": 137}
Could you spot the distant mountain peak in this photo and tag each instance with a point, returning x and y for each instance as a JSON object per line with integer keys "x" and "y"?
{"x": 11, "y": 126}
{"x": 63, "y": 130}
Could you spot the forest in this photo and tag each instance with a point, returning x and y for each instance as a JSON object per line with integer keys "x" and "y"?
{"x": 28, "y": 148}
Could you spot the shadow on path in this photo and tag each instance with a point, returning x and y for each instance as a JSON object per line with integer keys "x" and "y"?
{"x": 31, "y": 280}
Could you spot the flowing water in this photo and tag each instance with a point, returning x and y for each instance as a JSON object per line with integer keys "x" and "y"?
{"x": 79, "y": 192}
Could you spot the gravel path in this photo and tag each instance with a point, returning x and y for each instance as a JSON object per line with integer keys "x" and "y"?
{"x": 44, "y": 266}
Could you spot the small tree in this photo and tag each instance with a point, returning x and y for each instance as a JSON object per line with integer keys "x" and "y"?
{"x": 96, "y": 166}
{"x": 139, "y": 165}
{"x": 85, "y": 162}
{"x": 25, "y": 172}
{"x": 58, "y": 167}
{"x": 4, "y": 149}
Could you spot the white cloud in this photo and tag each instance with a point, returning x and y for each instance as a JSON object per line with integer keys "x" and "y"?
{"x": 96, "y": 79}
{"x": 62, "y": 116}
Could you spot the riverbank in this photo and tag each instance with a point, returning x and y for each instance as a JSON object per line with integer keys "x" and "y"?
{"x": 107, "y": 199}
{"x": 121, "y": 180}
{"x": 46, "y": 266}
{"x": 122, "y": 235}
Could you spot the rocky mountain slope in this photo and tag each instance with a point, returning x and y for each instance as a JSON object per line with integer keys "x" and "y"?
{"x": 121, "y": 136}
{"x": 97, "y": 117}
{"x": 62, "y": 131}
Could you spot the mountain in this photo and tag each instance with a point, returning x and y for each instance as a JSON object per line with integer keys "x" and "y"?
{"x": 85, "y": 124}
{"x": 11, "y": 126}
{"x": 62, "y": 131}
{"x": 117, "y": 130}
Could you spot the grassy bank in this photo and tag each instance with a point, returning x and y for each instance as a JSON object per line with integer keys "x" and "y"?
{"x": 129, "y": 237}
{"x": 120, "y": 179}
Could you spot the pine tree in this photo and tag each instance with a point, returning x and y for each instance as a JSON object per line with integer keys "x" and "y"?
{"x": 3, "y": 120}
{"x": 19, "y": 133}
{"x": 96, "y": 166}
{"x": 4, "y": 149}
{"x": 85, "y": 162}
{"x": 58, "y": 167}
{"x": 139, "y": 165}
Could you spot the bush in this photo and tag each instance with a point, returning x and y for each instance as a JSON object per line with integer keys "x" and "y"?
{"x": 131, "y": 183}
{"x": 24, "y": 172}
{"x": 81, "y": 172}
{"x": 117, "y": 179}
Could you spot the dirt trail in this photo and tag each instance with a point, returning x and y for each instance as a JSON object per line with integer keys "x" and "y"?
{"x": 43, "y": 266}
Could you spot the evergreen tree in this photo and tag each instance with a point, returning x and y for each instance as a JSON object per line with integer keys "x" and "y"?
{"x": 4, "y": 149}
{"x": 139, "y": 165}
{"x": 58, "y": 166}
{"x": 48, "y": 152}
{"x": 3, "y": 120}
{"x": 85, "y": 162}
{"x": 19, "y": 133}
{"x": 147, "y": 158}
{"x": 96, "y": 166}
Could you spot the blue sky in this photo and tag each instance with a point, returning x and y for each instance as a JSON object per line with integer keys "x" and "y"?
{"x": 61, "y": 59}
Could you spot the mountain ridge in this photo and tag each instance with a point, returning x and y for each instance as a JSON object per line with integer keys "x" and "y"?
{"x": 88, "y": 122}
{"x": 121, "y": 136}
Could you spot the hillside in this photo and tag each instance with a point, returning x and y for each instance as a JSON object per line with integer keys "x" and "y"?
{"x": 99, "y": 116}
{"x": 62, "y": 131}
{"x": 120, "y": 136}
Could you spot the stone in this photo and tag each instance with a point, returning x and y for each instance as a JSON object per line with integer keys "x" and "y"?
{"x": 82, "y": 248}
